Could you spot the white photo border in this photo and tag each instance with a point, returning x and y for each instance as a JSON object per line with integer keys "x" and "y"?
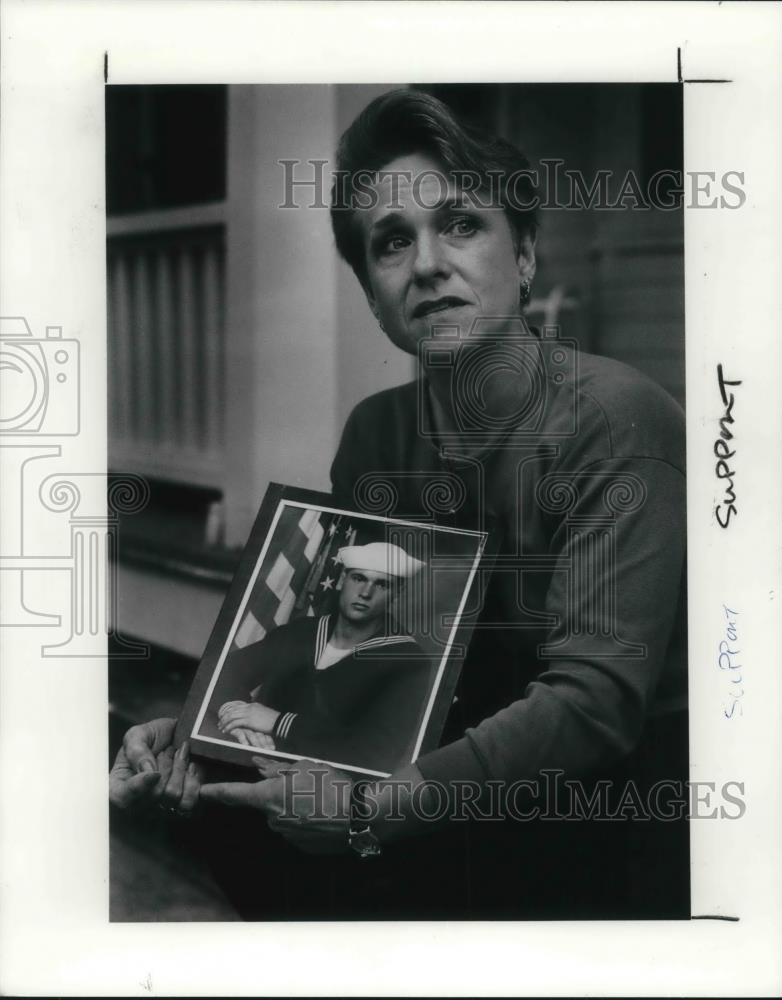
{"x": 54, "y": 817}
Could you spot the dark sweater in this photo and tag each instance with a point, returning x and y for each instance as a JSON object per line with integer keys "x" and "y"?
{"x": 582, "y": 634}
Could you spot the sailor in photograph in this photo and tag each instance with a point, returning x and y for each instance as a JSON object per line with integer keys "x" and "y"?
{"x": 339, "y": 687}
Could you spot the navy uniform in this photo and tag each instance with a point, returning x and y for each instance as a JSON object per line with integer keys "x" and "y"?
{"x": 362, "y": 711}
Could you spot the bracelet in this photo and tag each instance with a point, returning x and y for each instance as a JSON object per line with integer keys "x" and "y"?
{"x": 360, "y": 836}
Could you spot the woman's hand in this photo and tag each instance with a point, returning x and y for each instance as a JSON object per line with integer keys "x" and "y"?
{"x": 180, "y": 781}
{"x": 146, "y": 770}
{"x": 305, "y": 802}
{"x": 246, "y": 715}
{"x": 135, "y": 773}
{"x": 309, "y": 803}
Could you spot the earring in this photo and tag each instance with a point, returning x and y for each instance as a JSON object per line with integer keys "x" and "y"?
{"x": 525, "y": 293}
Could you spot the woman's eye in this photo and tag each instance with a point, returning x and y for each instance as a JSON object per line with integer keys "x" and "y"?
{"x": 462, "y": 226}
{"x": 394, "y": 244}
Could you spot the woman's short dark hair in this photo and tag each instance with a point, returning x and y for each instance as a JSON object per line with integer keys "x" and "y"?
{"x": 409, "y": 121}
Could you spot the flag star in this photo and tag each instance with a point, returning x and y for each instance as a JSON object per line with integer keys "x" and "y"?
{"x": 337, "y": 558}
{"x": 327, "y": 584}
{"x": 332, "y": 529}
{"x": 348, "y": 530}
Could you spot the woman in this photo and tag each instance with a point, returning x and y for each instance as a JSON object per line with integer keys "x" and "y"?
{"x": 576, "y": 465}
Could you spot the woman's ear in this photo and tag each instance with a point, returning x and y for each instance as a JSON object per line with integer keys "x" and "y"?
{"x": 525, "y": 257}
{"x": 366, "y": 288}
{"x": 371, "y": 300}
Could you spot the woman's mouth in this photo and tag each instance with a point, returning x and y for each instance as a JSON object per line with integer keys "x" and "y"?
{"x": 429, "y": 306}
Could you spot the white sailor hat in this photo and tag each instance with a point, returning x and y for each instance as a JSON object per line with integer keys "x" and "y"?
{"x": 380, "y": 557}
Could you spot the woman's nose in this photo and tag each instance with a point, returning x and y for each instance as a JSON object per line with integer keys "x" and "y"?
{"x": 430, "y": 260}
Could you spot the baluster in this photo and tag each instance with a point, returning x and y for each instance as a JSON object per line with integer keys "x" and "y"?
{"x": 167, "y": 349}
{"x": 212, "y": 360}
{"x": 122, "y": 400}
{"x": 188, "y": 351}
{"x": 166, "y": 314}
{"x": 143, "y": 383}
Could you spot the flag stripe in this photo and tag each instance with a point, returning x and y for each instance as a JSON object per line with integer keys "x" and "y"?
{"x": 309, "y": 521}
{"x": 280, "y": 576}
{"x": 313, "y": 543}
{"x": 283, "y": 612}
{"x": 298, "y": 561}
{"x": 251, "y": 631}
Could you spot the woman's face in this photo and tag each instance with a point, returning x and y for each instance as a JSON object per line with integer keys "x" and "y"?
{"x": 435, "y": 259}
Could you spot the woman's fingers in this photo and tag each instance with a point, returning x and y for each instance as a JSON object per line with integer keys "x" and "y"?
{"x": 164, "y": 762}
{"x": 242, "y": 736}
{"x": 272, "y": 768}
{"x": 192, "y": 785}
{"x": 175, "y": 785}
{"x": 133, "y": 790}
{"x": 142, "y": 742}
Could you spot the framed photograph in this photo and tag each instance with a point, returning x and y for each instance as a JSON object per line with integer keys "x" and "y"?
{"x": 340, "y": 640}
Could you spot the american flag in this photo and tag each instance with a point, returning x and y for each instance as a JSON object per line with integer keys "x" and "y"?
{"x": 300, "y": 572}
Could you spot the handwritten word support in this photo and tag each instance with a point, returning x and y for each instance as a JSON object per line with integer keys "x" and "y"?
{"x": 726, "y": 660}
{"x": 726, "y": 508}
